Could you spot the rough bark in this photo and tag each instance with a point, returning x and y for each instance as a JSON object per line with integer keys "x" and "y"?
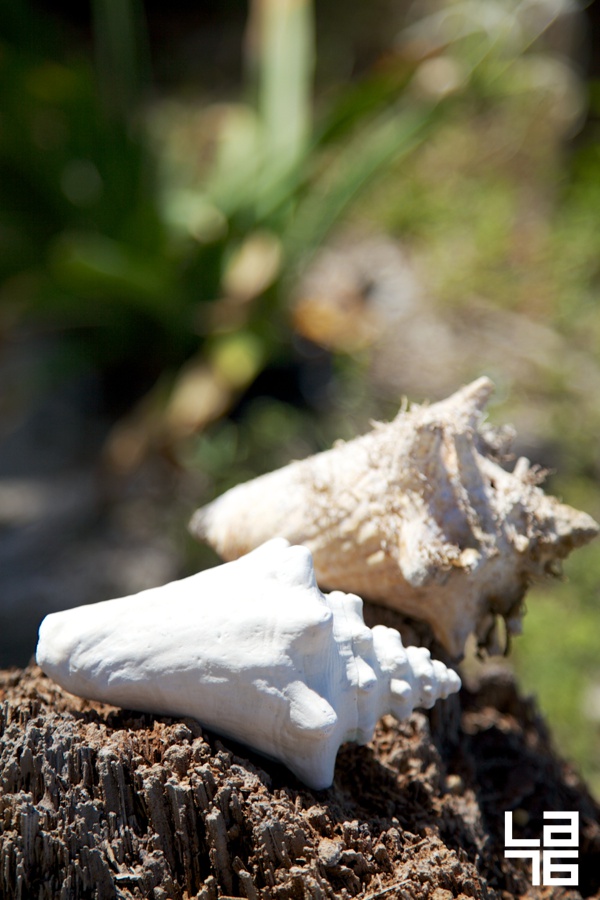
{"x": 103, "y": 803}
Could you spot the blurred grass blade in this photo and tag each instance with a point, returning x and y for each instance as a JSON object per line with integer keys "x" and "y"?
{"x": 122, "y": 57}
{"x": 233, "y": 183}
{"x": 103, "y": 270}
{"x": 390, "y": 137}
{"x": 283, "y": 32}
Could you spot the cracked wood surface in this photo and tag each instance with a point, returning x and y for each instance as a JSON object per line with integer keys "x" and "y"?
{"x": 103, "y": 803}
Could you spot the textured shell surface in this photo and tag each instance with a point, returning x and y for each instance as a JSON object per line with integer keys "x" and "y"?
{"x": 419, "y": 514}
{"x": 254, "y": 651}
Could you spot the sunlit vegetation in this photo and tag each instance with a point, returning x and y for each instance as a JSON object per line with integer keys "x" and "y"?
{"x": 165, "y": 237}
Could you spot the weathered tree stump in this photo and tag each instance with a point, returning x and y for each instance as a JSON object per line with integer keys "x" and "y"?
{"x": 104, "y": 803}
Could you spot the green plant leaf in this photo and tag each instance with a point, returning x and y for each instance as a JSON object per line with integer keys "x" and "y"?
{"x": 97, "y": 268}
{"x": 285, "y": 75}
{"x": 392, "y": 135}
{"x": 121, "y": 54}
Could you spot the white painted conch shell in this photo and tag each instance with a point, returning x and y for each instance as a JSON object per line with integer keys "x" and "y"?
{"x": 253, "y": 650}
{"x": 417, "y": 515}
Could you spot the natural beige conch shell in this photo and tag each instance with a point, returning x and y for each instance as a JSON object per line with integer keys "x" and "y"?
{"x": 417, "y": 515}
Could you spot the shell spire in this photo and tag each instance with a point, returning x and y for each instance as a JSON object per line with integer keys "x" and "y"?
{"x": 253, "y": 650}
{"x": 418, "y": 515}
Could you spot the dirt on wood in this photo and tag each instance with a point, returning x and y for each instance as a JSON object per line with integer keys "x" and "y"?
{"x": 103, "y": 803}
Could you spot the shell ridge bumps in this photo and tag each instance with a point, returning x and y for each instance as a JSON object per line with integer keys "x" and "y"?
{"x": 310, "y": 713}
{"x": 474, "y": 491}
{"x": 417, "y": 514}
{"x": 233, "y": 648}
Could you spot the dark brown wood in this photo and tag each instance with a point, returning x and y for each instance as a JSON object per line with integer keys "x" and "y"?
{"x": 103, "y": 803}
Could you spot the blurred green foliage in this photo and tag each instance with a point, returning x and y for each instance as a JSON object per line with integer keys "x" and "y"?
{"x": 558, "y": 659}
{"x": 159, "y": 238}
{"x": 83, "y": 245}
{"x": 150, "y": 260}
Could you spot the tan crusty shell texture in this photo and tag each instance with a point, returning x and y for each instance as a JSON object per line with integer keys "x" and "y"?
{"x": 417, "y": 515}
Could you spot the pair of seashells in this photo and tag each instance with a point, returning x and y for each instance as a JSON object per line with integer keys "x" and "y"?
{"x": 417, "y": 514}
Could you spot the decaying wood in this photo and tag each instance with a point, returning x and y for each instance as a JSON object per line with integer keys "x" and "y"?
{"x": 103, "y": 803}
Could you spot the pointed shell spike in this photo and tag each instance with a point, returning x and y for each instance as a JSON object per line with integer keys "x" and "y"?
{"x": 251, "y": 649}
{"x": 417, "y": 515}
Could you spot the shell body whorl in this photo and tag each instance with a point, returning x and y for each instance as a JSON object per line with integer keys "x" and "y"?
{"x": 418, "y": 514}
{"x": 253, "y": 650}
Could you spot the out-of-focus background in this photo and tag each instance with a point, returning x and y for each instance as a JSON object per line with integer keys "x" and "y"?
{"x": 231, "y": 233}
